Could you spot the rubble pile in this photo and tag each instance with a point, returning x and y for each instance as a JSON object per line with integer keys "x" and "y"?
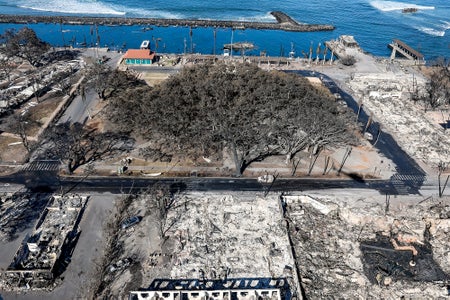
{"x": 202, "y": 237}
{"x": 350, "y": 246}
{"x": 44, "y": 255}
{"x": 229, "y": 236}
{"x": 388, "y": 97}
{"x": 385, "y": 261}
{"x": 29, "y": 81}
{"x": 364, "y": 249}
{"x": 437, "y": 216}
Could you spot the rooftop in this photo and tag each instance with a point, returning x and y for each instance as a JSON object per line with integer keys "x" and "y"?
{"x": 139, "y": 54}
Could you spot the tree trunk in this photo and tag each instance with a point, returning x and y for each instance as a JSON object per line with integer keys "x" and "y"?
{"x": 294, "y": 166}
{"x": 24, "y": 137}
{"x": 69, "y": 166}
{"x": 26, "y": 143}
{"x": 288, "y": 158}
{"x": 72, "y": 165}
{"x": 237, "y": 160}
{"x": 312, "y": 162}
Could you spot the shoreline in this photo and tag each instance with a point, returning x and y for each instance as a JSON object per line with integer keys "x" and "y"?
{"x": 283, "y": 22}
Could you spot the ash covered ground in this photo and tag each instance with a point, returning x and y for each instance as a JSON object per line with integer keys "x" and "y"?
{"x": 341, "y": 242}
{"x": 362, "y": 247}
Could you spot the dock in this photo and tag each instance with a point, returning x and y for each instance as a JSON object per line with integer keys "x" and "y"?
{"x": 406, "y": 51}
{"x": 283, "y": 22}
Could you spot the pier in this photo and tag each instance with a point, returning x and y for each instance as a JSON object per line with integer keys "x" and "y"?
{"x": 283, "y": 22}
{"x": 406, "y": 51}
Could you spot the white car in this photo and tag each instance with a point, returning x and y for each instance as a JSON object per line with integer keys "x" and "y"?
{"x": 131, "y": 222}
{"x": 266, "y": 178}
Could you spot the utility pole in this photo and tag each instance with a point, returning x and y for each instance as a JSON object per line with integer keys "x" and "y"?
{"x": 190, "y": 36}
{"x": 231, "y": 50}
{"x": 156, "y": 41}
{"x": 378, "y": 135}
{"x": 442, "y": 167}
{"x": 369, "y": 122}
{"x": 215, "y": 35}
{"x": 310, "y": 52}
{"x": 97, "y": 41}
{"x": 360, "y": 104}
{"x": 62, "y": 33}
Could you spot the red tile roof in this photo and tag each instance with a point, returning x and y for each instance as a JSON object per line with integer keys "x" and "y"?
{"x": 139, "y": 54}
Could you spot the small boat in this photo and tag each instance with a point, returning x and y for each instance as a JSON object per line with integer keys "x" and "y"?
{"x": 239, "y": 46}
{"x": 407, "y": 10}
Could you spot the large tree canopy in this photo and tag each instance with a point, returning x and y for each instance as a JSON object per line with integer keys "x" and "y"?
{"x": 251, "y": 112}
{"x": 24, "y": 44}
{"x": 78, "y": 145}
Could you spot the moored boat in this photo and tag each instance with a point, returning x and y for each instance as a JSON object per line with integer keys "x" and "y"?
{"x": 409, "y": 10}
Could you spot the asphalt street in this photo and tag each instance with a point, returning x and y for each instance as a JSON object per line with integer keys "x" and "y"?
{"x": 385, "y": 143}
{"x": 49, "y": 181}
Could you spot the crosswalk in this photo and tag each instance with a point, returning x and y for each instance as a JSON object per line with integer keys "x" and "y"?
{"x": 406, "y": 184}
{"x": 409, "y": 177}
{"x": 41, "y": 165}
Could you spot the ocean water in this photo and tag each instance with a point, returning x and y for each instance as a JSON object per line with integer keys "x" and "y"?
{"x": 374, "y": 23}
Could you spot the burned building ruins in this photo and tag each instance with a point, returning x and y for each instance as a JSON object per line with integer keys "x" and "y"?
{"x": 46, "y": 252}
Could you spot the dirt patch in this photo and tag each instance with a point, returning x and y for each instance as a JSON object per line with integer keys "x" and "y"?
{"x": 41, "y": 112}
{"x": 33, "y": 114}
{"x": 12, "y": 150}
{"x": 153, "y": 78}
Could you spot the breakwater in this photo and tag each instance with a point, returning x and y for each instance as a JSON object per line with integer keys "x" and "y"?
{"x": 284, "y": 22}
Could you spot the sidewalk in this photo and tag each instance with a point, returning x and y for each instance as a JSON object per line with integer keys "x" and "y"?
{"x": 362, "y": 161}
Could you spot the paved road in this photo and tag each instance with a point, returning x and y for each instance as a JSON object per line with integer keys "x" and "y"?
{"x": 79, "y": 110}
{"x": 406, "y": 167}
{"x": 48, "y": 180}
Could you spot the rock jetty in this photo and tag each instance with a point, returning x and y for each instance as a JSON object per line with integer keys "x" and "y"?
{"x": 284, "y": 22}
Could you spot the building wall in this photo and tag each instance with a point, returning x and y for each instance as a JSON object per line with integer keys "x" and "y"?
{"x": 133, "y": 61}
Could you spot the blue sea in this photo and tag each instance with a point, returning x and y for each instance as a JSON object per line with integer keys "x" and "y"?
{"x": 373, "y": 23}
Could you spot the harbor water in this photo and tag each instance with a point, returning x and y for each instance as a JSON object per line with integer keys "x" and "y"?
{"x": 373, "y": 23}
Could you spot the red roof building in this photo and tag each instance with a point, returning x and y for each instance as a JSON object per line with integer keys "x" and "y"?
{"x": 139, "y": 57}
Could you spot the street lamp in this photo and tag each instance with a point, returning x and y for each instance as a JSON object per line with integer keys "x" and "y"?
{"x": 156, "y": 40}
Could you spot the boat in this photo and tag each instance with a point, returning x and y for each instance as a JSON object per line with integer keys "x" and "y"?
{"x": 239, "y": 46}
{"x": 409, "y": 10}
